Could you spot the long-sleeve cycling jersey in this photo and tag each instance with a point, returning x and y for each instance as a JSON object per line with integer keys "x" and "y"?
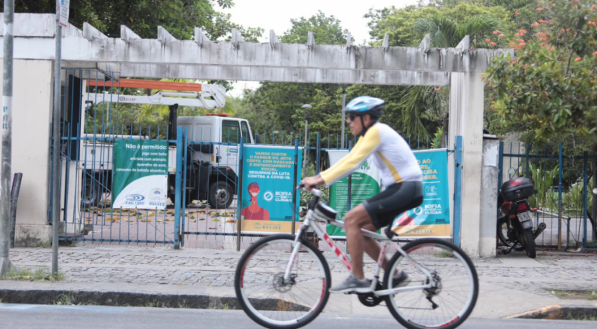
{"x": 391, "y": 154}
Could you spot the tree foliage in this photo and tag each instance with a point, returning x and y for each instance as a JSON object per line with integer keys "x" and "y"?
{"x": 548, "y": 90}
{"x": 179, "y": 17}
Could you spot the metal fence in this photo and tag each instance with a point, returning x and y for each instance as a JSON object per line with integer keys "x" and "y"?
{"x": 202, "y": 197}
{"x": 564, "y": 192}
{"x": 89, "y": 126}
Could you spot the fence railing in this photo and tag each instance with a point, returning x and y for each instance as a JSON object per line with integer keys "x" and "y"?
{"x": 563, "y": 192}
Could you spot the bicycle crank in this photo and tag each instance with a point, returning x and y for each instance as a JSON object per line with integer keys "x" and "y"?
{"x": 369, "y": 299}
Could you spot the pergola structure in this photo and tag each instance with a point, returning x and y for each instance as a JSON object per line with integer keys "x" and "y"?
{"x": 201, "y": 58}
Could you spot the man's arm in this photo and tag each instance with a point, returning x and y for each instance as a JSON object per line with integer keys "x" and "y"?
{"x": 361, "y": 151}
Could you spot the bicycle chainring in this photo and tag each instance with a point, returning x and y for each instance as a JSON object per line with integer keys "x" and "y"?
{"x": 369, "y": 299}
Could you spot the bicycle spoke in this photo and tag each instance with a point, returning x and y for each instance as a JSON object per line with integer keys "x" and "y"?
{"x": 454, "y": 286}
{"x": 268, "y": 298}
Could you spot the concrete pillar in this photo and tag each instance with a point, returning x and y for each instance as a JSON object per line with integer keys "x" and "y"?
{"x": 32, "y": 109}
{"x": 466, "y": 119}
{"x": 489, "y": 196}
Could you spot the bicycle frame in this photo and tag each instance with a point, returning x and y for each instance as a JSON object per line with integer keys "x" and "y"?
{"x": 384, "y": 241}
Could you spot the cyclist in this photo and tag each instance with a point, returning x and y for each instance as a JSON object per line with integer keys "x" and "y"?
{"x": 401, "y": 177}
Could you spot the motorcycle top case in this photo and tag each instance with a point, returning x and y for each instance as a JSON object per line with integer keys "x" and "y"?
{"x": 517, "y": 189}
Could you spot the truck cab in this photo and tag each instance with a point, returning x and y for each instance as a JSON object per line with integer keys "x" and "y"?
{"x": 212, "y": 159}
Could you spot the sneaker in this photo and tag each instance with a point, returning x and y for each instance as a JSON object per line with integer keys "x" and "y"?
{"x": 400, "y": 280}
{"x": 352, "y": 284}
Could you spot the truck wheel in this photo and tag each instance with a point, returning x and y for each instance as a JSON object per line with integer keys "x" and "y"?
{"x": 220, "y": 195}
{"x": 90, "y": 196}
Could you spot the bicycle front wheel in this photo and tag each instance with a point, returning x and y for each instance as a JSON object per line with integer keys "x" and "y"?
{"x": 454, "y": 281}
{"x": 270, "y": 300}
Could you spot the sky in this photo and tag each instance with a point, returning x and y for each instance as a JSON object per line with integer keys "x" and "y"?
{"x": 276, "y": 15}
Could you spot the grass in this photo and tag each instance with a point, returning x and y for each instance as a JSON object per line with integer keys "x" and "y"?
{"x": 583, "y": 318}
{"x": 575, "y": 294}
{"x": 36, "y": 275}
{"x": 444, "y": 254}
{"x": 44, "y": 244}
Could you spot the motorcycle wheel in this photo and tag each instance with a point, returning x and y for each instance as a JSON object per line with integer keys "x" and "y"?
{"x": 504, "y": 235}
{"x": 529, "y": 243}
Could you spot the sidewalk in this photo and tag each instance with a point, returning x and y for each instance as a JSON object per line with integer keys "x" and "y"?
{"x": 510, "y": 284}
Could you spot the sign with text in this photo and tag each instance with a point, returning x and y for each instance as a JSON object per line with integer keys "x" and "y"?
{"x": 268, "y": 187}
{"x": 365, "y": 184}
{"x": 432, "y": 218}
{"x": 64, "y": 10}
{"x": 140, "y": 174}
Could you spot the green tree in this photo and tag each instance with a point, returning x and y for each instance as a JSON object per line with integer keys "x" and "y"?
{"x": 179, "y": 17}
{"x": 421, "y": 110}
{"x": 548, "y": 90}
{"x": 276, "y": 106}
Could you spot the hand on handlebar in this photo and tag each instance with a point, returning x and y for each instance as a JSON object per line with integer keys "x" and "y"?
{"x": 310, "y": 182}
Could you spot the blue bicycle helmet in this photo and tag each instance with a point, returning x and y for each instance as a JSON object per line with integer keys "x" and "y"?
{"x": 366, "y": 105}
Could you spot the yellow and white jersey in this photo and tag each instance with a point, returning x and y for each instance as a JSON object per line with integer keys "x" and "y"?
{"x": 391, "y": 154}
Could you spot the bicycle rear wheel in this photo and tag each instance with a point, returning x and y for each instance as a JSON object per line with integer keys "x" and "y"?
{"x": 449, "y": 303}
{"x": 267, "y": 298}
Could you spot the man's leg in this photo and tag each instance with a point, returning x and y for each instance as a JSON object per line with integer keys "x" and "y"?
{"x": 353, "y": 222}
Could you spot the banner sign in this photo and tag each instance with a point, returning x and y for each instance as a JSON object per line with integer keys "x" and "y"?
{"x": 432, "y": 218}
{"x": 365, "y": 184}
{"x": 268, "y": 187}
{"x": 140, "y": 174}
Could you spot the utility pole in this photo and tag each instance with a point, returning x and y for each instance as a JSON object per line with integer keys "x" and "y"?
{"x": 305, "y": 108}
{"x": 56, "y": 143}
{"x": 5, "y": 264}
{"x": 343, "y": 114}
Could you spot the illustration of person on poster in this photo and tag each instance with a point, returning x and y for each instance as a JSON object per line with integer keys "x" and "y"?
{"x": 254, "y": 211}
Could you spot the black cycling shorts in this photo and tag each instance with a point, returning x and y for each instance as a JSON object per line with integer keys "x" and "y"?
{"x": 394, "y": 200}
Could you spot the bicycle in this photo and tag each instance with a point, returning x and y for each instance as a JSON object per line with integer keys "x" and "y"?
{"x": 272, "y": 293}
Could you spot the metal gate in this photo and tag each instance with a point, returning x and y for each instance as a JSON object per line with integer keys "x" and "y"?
{"x": 565, "y": 196}
{"x": 91, "y": 122}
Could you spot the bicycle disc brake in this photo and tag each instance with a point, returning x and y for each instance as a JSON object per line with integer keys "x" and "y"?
{"x": 369, "y": 299}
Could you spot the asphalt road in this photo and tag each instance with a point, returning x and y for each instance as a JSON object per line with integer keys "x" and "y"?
{"x": 22, "y": 316}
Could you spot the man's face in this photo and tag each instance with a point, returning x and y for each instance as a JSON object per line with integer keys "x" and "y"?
{"x": 254, "y": 190}
{"x": 355, "y": 123}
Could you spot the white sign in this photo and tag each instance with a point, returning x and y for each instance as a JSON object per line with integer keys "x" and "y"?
{"x": 64, "y": 9}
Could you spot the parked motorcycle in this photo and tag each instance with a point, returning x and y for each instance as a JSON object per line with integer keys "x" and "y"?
{"x": 515, "y": 228}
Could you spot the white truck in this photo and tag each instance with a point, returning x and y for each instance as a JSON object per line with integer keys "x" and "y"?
{"x": 212, "y": 157}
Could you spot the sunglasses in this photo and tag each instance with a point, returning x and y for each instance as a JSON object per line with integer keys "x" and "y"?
{"x": 352, "y": 116}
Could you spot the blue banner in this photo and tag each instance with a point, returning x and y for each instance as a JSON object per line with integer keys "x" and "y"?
{"x": 268, "y": 188}
{"x": 432, "y": 218}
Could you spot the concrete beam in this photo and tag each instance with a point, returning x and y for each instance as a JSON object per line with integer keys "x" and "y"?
{"x": 200, "y": 37}
{"x": 164, "y": 36}
{"x": 348, "y": 40}
{"x": 90, "y": 33}
{"x": 127, "y": 35}
{"x": 186, "y": 52}
{"x": 302, "y": 75}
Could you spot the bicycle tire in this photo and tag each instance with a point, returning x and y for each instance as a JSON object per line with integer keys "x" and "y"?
{"x": 263, "y": 310}
{"x": 529, "y": 243}
{"x": 445, "y": 258}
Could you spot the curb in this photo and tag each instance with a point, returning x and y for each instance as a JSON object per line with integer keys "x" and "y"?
{"x": 138, "y": 299}
{"x": 558, "y": 312}
{"x": 115, "y": 298}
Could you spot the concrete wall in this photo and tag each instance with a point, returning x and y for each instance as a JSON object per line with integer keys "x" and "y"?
{"x": 32, "y": 109}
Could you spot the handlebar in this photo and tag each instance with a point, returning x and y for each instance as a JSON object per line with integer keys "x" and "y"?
{"x": 314, "y": 191}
